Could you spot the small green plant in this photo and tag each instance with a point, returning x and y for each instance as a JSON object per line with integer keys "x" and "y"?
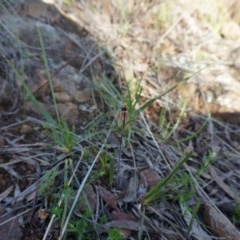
{"x": 166, "y": 127}
{"x": 236, "y": 213}
{"x": 106, "y": 167}
{"x": 80, "y": 227}
{"x": 114, "y": 234}
{"x": 103, "y": 219}
{"x": 156, "y": 192}
{"x": 194, "y": 134}
{"x": 115, "y": 99}
{"x": 62, "y": 136}
{"x": 184, "y": 187}
{"x": 190, "y": 214}
{"x": 207, "y": 161}
{"x": 46, "y": 188}
{"x": 194, "y": 212}
{"x": 133, "y": 94}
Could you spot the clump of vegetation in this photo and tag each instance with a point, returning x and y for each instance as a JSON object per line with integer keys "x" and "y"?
{"x": 122, "y": 175}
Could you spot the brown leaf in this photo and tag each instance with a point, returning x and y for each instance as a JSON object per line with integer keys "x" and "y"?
{"x": 131, "y": 192}
{"x": 32, "y": 196}
{"x": 116, "y": 224}
{"x": 121, "y": 215}
{"x": 89, "y": 196}
{"x": 124, "y": 224}
{"x": 43, "y": 214}
{"x": 149, "y": 177}
{"x": 108, "y": 197}
{"x": 218, "y": 224}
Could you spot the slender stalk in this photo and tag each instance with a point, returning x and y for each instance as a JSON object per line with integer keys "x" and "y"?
{"x": 124, "y": 120}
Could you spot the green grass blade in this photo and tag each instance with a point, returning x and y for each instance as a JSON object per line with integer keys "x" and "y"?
{"x": 151, "y": 101}
{"x": 32, "y": 98}
{"x": 155, "y": 192}
{"x": 45, "y": 61}
{"x": 195, "y": 134}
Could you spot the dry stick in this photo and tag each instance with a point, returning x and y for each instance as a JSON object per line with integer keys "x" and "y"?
{"x": 124, "y": 120}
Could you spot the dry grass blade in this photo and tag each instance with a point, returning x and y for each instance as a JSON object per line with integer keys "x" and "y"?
{"x": 6, "y": 193}
{"x": 155, "y": 192}
{"x": 221, "y": 184}
{"x": 196, "y": 229}
{"x": 124, "y": 117}
{"x": 218, "y": 224}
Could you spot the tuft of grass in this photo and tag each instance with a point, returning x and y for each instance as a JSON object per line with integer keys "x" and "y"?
{"x": 106, "y": 170}
{"x": 63, "y": 137}
{"x": 80, "y": 227}
{"x": 114, "y": 234}
{"x": 166, "y": 127}
{"x": 61, "y": 134}
{"x": 207, "y": 161}
{"x": 155, "y": 193}
{"x": 45, "y": 61}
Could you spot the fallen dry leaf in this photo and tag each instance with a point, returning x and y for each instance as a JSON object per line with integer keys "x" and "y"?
{"x": 149, "y": 177}
{"x": 88, "y": 199}
{"x": 32, "y": 196}
{"x": 124, "y": 224}
{"x": 43, "y": 214}
{"x": 115, "y": 224}
{"x": 218, "y": 223}
{"x": 108, "y": 197}
{"x": 121, "y": 216}
{"x": 131, "y": 192}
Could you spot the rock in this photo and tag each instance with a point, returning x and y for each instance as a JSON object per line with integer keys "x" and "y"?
{"x": 71, "y": 84}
